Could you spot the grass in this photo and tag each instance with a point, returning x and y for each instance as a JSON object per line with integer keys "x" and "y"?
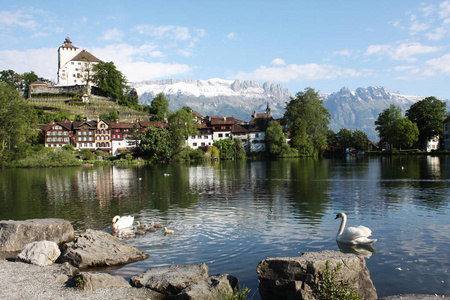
{"x": 332, "y": 289}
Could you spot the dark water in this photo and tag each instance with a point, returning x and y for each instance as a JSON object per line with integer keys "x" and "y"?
{"x": 234, "y": 214}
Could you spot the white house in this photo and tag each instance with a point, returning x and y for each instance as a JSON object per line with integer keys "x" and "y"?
{"x": 74, "y": 65}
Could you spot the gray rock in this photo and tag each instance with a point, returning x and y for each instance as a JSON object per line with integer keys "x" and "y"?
{"x": 95, "y": 248}
{"x": 14, "y": 235}
{"x": 94, "y": 281}
{"x": 221, "y": 286}
{"x": 43, "y": 253}
{"x": 299, "y": 277}
{"x": 170, "y": 280}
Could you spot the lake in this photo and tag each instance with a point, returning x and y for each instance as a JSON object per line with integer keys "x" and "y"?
{"x": 231, "y": 215}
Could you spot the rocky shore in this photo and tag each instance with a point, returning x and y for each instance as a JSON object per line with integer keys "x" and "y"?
{"x": 43, "y": 259}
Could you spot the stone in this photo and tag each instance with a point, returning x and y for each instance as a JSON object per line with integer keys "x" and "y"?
{"x": 95, "y": 248}
{"x": 14, "y": 235}
{"x": 94, "y": 281}
{"x": 221, "y": 286}
{"x": 43, "y": 253}
{"x": 172, "y": 279}
{"x": 299, "y": 277}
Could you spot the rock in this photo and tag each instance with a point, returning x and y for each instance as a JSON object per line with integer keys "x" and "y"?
{"x": 299, "y": 277}
{"x": 94, "y": 281}
{"x": 43, "y": 253}
{"x": 14, "y": 235}
{"x": 95, "y": 248}
{"x": 170, "y": 280}
{"x": 220, "y": 286}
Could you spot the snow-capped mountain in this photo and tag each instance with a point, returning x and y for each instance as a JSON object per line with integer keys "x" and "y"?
{"x": 217, "y": 97}
{"x": 360, "y": 108}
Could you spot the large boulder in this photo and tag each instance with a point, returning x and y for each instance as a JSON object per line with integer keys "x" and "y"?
{"x": 14, "y": 235}
{"x": 221, "y": 286}
{"x": 94, "y": 281}
{"x": 171, "y": 280}
{"x": 43, "y": 253}
{"x": 95, "y": 248}
{"x": 299, "y": 277}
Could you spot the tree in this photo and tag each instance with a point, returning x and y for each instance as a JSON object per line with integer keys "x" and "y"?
{"x": 156, "y": 144}
{"x": 12, "y": 79}
{"x": 274, "y": 138}
{"x": 159, "y": 108}
{"x": 429, "y": 115}
{"x": 394, "y": 128}
{"x": 359, "y": 140}
{"x": 308, "y": 107}
{"x": 17, "y": 124}
{"x": 300, "y": 139}
{"x": 344, "y": 138}
{"x": 112, "y": 116}
{"x": 110, "y": 80}
{"x": 182, "y": 125}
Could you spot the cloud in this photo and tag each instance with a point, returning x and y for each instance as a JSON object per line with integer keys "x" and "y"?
{"x": 403, "y": 51}
{"x": 437, "y": 34}
{"x": 9, "y": 19}
{"x": 294, "y": 72}
{"x": 438, "y": 66}
{"x": 278, "y": 62}
{"x": 417, "y": 27}
{"x": 444, "y": 11}
{"x": 113, "y": 34}
{"x": 231, "y": 36}
{"x": 165, "y": 32}
{"x": 43, "y": 61}
{"x": 345, "y": 52}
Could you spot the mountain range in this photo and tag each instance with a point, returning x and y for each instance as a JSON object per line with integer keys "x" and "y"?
{"x": 218, "y": 97}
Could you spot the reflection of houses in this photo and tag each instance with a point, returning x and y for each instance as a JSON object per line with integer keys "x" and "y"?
{"x": 433, "y": 143}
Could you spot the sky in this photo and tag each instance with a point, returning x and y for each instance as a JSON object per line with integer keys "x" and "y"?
{"x": 403, "y": 45}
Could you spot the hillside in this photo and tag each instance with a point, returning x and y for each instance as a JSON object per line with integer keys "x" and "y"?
{"x": 97, "y": 105}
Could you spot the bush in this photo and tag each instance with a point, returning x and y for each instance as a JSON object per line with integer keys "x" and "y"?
{"x": 86, "y": 154}
{"x": 48, "y": 157}
{"x": 331, "y": 289}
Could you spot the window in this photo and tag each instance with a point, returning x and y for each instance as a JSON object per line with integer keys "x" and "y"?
{"x": 227, "y": 134}
{"x": 199, "y": 136}
{"x": 220, "y": 135}
{"x": 203, "y": 145}
{"x": 205, "y": 137}
{"x": 193, "y": 137}
{"x": 194, "y": 144}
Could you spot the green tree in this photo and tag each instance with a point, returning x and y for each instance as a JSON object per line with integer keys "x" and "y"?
{"x": 159, "y": 108}
{"x": 12, "y": 79}
{"x": 429, "y": 115}
{"x": 300, "y": 139}
{"x": 308, "y": 107}
{"x": 17, "y": 124}
{"x": 344, "y": 138}
{"x": 182, "y": 125}
{"x": 396, "y": 129}
{"x": 27, "y": 79}
{"x": 112, "y": 116}
{"x": 359, "y": 140}
{"x": 110, "y": 80}
{"x": 239, "y": 151}
{"x": 156, "y": 144}
{"x": 274, "y": 138}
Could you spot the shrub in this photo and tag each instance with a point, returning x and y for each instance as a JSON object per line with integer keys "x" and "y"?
{"x": 331, "y": 289}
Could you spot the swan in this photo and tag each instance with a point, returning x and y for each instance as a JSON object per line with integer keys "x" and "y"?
{"x": 353, "y": 235}
{"x": 122, "y": 222}
{"x": 167, "y": 231}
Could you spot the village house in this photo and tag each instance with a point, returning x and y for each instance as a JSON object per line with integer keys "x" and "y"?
{"x": 57, "y": 134}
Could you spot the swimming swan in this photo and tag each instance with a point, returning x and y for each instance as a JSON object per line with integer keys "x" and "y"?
{"x": 353, "y": 235}
{"x": 122, "y": 222}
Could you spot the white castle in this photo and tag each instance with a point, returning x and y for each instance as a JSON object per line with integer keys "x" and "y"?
{"x": 74, "y": 65}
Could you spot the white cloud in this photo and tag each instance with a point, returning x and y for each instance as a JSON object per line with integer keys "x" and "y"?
{"x": 438, "y": 66}
{"x": 113, "y": 34}
{"x": 278, "y": 62}
{"x": 43, "y": 61}
{"x": 403, "y": 51}
{"x": 9, "y": 19}
{"x": 231, "y": 36}
{"x": 417, "y": 27}
{"x": 444, "y": 9}
{"x": 345, "y": 52}
{"x": 294, "y": 72}
{"x": 167, "y": 32}
{"x": 437, "y": 34}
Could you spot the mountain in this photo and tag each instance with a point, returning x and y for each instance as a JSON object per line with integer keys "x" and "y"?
{"x": 360, "y": 108}
{"x": 217, "y": 97}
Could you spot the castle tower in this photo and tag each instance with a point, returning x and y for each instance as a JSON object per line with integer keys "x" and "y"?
{"x": 268, "y": 110}
{"x": 65, "y": 53}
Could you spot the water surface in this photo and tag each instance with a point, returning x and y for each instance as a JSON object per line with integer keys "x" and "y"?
{"x": 232, "y": 215}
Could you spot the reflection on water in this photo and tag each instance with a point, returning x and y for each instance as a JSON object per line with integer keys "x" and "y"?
{"x": 231, "y": 215}
{"x": 362, "y": 250}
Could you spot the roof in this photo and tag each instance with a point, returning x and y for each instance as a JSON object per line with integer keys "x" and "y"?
{"x": 146, "y": 124}
{"x": 85, "y": 56}
{"x": 225, "y": 121}
{"x": 123, "y": 125}
{"x": 68, "y": 44}
{"x": 239, "y": 129}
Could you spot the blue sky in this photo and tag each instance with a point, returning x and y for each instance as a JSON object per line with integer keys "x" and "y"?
{"x": 403, "y": 45}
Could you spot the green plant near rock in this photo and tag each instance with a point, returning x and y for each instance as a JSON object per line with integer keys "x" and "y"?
{"x": 332, "y": 289}
{"x": 238, "y": 294}
{"x": 79, "y": 282}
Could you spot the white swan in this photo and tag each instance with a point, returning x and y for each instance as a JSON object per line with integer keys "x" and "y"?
{"x": 353, "y": 235}
{"x": 122, "y": 222}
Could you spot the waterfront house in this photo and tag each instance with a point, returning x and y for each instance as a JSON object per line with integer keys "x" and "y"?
{"x": 57, "y": 134}
{"x": 84, "y": 135}
{"x": 103, "y": 136}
